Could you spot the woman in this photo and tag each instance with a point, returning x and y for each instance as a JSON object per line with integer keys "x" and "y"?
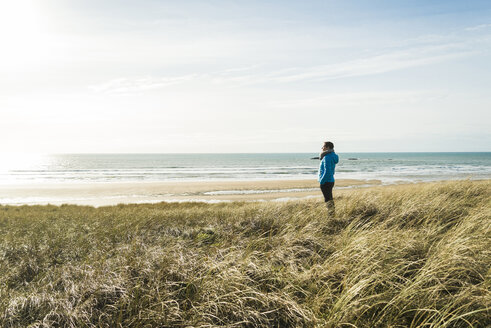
{"x": 329, "y": 159}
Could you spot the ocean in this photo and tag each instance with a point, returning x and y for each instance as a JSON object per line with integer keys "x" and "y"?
{"x": 387, "y": 167}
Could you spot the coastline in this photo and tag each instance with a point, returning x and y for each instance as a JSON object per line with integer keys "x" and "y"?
{"x": 99, "y": 194}
{"x": 113, "y": 193}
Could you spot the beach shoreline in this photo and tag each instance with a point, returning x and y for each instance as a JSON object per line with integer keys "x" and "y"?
{"x": 99, "y": 194}
{"x": 113, "y": 193}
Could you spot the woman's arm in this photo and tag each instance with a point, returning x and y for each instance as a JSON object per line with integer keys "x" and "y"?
{"x": 322, "y": 172}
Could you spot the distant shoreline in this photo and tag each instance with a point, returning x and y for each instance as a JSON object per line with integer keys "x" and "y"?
{"x": 113, "y": 193}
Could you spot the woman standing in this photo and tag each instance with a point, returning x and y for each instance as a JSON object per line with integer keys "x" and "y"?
{"x": 329, "y": 159}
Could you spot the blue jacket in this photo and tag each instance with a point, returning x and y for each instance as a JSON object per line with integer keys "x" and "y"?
{"x": 326, "y": 168}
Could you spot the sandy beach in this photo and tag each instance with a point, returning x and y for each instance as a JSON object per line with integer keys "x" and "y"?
{"x": 113, "y": 193}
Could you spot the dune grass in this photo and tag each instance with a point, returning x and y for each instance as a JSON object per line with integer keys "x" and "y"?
{"x": 401, "y": 256}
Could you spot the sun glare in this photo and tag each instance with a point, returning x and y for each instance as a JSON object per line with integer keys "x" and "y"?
{"x": 20, "y": 30}
{"x": 21, "y": 161}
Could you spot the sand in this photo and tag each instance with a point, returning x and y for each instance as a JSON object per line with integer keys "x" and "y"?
{"x": 113, "y": 193}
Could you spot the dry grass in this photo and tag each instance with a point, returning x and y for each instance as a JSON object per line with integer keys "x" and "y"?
{"x": 404, "y": 256}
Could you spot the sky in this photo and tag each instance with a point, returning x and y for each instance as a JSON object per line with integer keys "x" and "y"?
{"x": 150, "y": 76}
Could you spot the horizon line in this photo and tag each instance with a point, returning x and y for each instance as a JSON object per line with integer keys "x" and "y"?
{"x": 238, "y": 153}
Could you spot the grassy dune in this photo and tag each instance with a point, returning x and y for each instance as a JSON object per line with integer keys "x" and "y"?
{"x": 402, "y": 256}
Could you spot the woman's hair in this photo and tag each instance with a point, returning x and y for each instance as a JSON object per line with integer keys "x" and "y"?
{"x": 328, "y": 144}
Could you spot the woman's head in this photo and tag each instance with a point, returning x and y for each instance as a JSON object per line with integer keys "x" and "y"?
{"x": 328, "y": 145}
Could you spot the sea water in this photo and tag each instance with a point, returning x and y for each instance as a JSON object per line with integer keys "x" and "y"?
{"x": 387, "y": 167}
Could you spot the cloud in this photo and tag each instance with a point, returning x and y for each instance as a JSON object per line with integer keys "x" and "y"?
{"x": 128, "y": 85}
{"x": 477, "y": 27}
{"x": 134, "y": 85}
{"x": 394, "y": 59}
{"x": 360, "y": 99}
{"x": 378, "y": 64}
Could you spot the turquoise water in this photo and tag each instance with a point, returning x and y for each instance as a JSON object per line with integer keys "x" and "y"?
{"x": 388, "y": 167}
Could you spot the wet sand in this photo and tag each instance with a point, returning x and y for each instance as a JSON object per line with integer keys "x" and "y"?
{"x": 113, "y": 193}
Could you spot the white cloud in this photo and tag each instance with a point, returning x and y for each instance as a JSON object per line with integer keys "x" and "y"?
{"x": 127, "y": 85}
{"x": 134, "y": 85}
{"x": 376, "y": 64}
{"x": 477, "y": 27}
{"x": 362, "y": 99}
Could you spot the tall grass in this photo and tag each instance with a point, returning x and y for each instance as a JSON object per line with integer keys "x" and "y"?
{"x": 402, "y": 256}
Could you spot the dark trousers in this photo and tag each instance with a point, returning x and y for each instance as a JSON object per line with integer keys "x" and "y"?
{"x": 327, "y": 190}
